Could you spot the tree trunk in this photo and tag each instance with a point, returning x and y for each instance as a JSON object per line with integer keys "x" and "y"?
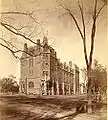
{"x": 89, "y": 97}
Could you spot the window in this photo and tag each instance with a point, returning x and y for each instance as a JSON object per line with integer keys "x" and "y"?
{"x": 31, "y": 62}
{"x": 45, "y": 73}
{"x": 46, "y": 63}
{"x": 31, "y": 71}
{"x": 42, "y": 84}
{"x": 45, "y": 56}
{"x": 23, "y": 85}
{"x": 24, "y": 62}
{"x": 31, "y": 85}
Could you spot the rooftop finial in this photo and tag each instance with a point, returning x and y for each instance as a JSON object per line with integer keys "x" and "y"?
{"x": 45, "y": 39}
{"x": 46, "y": 33}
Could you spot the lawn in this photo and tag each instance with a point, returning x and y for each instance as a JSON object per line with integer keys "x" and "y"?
{"x": 21, "y": 107}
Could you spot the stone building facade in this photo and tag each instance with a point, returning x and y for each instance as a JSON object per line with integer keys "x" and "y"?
{"x": 43, "y": 73}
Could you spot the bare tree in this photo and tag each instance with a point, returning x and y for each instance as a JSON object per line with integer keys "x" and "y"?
{"x": 19, "y": 30}
{"x": 88, "y": 57}
{"x": 22, "y": 26}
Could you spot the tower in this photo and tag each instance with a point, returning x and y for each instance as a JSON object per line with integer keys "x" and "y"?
{"x": 45, "y": 66}
{"x": 45, "y": 40}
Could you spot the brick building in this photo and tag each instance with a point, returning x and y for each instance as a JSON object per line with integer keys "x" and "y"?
{"x": 42, "y": 73}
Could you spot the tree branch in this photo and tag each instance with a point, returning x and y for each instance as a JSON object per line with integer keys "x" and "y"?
{"x": 78, "y": 27}
{"x": 15, "y": 12}
{"x": 63, "y": 14}
{"x": 15, "y": 32}
{"x": 74, "y": 19}
{"x": 83, "y": 21}
{"x": 5, "y": 41}
{"x": 23, "y": 52}
{"x": 98, "y": 13}
{"x": 9, "y": 50}
{"x": 93, "y": 34}
{"x": 84, "y": 33}
{"x": 22, "y": 13}
{"x": 34, "y": 19}
{"x": 14, "y": 52}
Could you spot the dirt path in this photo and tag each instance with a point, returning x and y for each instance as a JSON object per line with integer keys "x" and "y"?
{"x": 18, "y": 111}
{"x": 44, "y": 108}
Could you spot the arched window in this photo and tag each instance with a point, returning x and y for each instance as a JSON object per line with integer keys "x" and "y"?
{"x": 31, "y": 85}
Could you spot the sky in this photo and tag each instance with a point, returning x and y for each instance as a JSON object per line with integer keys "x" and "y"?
{"x": 62, "y": 35}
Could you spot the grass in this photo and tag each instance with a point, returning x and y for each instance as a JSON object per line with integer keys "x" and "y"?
{"x": 21, "y": 107}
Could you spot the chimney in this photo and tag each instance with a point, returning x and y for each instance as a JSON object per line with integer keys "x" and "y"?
{"x": 59, "y": 60}
{"x": 55, "y": 54}
{"x": 76, "y": 68}
{"x": 64, "y": 65}
{"x": 70, "y": 64}
{"x": 38, "y": 41}
{"x": 38, "y": 45}
{"x": 25, "y": 47}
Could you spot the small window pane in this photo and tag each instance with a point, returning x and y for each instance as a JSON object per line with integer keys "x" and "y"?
{"x": 31, "y": 85}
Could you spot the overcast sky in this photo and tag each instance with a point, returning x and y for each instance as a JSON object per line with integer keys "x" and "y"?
{"x": 62, "y": 34}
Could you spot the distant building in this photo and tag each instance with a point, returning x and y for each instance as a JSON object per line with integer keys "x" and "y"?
{"x": 42, "y": 73}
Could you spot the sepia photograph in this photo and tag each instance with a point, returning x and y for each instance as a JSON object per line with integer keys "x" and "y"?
{"x": 53, "y": 59}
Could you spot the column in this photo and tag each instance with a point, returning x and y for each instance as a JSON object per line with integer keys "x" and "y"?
{"x": 57, "y": 85}
{"x": 26, "y": 86}
{"x": 74, "y": 87}
{"x": 69, "y": 89}
{"x": 52, "y": 90}
{"x": 63, "y": 88}
{"x": 74, "y": 82}
{"x": 45, "y": 86}
{"x": 20, "y": 87}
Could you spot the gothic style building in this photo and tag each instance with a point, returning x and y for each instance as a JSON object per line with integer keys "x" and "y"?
{"x": 42, "y": 73}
